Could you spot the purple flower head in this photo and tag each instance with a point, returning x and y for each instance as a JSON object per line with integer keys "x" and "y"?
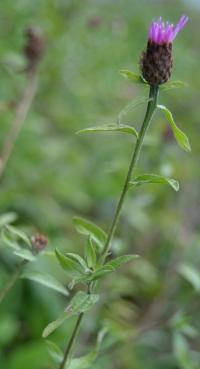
{"x": 164, "y": 33}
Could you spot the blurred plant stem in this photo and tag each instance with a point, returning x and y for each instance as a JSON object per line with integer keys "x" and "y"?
{"x": 20, "y": 116}
{"x": 153, "y": 94}
{"x": 11, "y": 281}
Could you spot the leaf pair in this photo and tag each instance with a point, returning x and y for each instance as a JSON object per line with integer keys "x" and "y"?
{"x": 77, "y": 267}
{"x": 138, "y": 79}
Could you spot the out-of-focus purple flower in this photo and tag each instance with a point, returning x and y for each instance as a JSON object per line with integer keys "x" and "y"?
{"x": 161, "y": 32}
{"x": 156, "y": 62}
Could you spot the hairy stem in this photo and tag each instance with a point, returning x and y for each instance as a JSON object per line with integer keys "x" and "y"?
{"x": 137, "y": 148}
{"x": 11, "y": 281}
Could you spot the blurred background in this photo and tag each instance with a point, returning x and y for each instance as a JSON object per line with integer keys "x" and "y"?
{"x": 151, "y": 307}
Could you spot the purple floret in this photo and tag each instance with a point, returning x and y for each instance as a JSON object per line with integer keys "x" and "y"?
{"x": 160, "y": 32}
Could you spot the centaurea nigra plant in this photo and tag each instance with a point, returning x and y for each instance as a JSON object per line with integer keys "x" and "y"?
{"x": 156, "y": 67}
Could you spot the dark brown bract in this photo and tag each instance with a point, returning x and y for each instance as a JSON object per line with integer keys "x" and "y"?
{"x": 156, "y": 63}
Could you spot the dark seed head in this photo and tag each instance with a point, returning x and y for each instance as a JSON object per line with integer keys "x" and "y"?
{"x": 156, "y": 63}
{"x": 34, "y": 47}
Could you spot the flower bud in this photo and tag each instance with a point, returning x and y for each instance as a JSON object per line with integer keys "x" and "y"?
{"x": 156, "y": 62}
{"x": 39, "y": 242}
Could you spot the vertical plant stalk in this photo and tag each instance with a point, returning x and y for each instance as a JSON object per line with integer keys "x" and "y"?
{"x": 147, "y": 119}
{"x": 71, "y": 341}
{"x": 10, "y": 283}
{"x": 153, "y": 94}
{"x": 20, "y": 116}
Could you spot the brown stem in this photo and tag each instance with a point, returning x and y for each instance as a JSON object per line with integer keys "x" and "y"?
{"x": 20, "y": 116}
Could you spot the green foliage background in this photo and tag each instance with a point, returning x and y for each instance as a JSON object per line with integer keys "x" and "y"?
{"x": 55, "y": 174}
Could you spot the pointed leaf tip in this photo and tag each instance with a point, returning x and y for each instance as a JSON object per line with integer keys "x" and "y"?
{"x": 154, "y": 178}
{"x": 133, "y": 77}
{"x": 180, "y": 136}
{"x": 111, "y": 128}
{"x": 88, "y": 228}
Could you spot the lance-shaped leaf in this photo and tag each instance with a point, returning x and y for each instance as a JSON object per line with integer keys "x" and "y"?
{"x": 133, "y": 77}
{"x": 154, "y": 178}
{"x": 54, "y": 351}
{"x": 9, "y": 240}
{"x": 111, "y": 128}
{"x": 88, "y": 228}
{"x": 25, "y": 254}
{"x": 19, "y": 235}
{"x": 46, "y": 280}
{"x": 191, "y": 274}
{"x": 182, "y": 352}
{"x": 86, "y": 361}
{"x": 131, "y": 106}
{"x": 7, "y": 218}
{"x": 172, "y": 85}
{"x": 111, "y": 266}
{"x": 180, "y": 136}
{"x": 80, "y": 303}
{"x": 72, "y": 265}
{"x": 90, "y": 254}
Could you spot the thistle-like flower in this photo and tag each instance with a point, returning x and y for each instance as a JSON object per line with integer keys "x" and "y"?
{"x": 156, "y": 62}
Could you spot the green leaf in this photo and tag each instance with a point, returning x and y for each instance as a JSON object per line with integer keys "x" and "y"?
{"x": 54, "y": 351}
{"x": 7, "y": 218}
{"x": 110, "y": 128}
{"x": 8, "y": 239}
{"x": 90, "y": 254}
{"x": 25, "y": 254}
{"x": 133, "y": 77}
{"x": 180, "y": 136}
{"x": 173, "y": 84}
{"x": 19, "y": 235}
{"x": 83, "y": 362}
{"x": 111, "y": 266}
{"x": 86, "y": 361}
{"x": 78, "y": 259}
{"x": 46, "y": 280}
{"x": 80, "y": 303}
{"x": 154, "y": 178}
{"x": 131, "y": 106}
{"x": 69, "y": 263}
{"x": 182, "y": 352}
{"x": 88, "y": 228}
{"x": 191, "y": 274}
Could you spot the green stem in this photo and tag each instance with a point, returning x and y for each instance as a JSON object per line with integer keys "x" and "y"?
{"x": 10, "y": 283}
{"x": 71, "y": 341}
{"x": 147, "y": 119}
{"x": 149, "y": 113}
